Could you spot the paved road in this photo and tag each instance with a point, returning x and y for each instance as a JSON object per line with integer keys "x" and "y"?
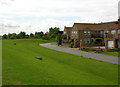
{"x": 106, "y": 58}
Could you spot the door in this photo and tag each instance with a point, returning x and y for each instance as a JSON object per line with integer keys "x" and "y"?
{"x": 110, "y": 44}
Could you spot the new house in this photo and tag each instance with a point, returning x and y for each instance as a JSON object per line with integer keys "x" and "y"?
{"x": 94, "y": 34}
{"x": 67, "y": 34}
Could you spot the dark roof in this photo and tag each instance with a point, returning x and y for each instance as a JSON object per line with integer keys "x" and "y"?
{"x": 68, "y": 27}
{"x": 96, "y": 26}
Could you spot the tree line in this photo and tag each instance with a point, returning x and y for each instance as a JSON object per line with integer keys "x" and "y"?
{"x": 53, "y": 32}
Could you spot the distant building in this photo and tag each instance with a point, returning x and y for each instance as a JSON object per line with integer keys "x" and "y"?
{"x": 67, "y": 33}
{"x": 47, "y": 33}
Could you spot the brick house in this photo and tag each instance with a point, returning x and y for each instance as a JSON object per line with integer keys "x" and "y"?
{"x": 92, "y": 34}
{"x": 67, "y": 34}
{"x": 85, "y": 33}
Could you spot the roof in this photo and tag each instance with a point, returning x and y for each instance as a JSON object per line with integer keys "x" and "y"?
{"x": 46, "y": 32}
{"x": 96, "y": 26}
{"x": 68, "y": 27}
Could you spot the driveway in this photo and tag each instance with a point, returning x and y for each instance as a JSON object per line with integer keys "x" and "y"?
{"x": 106, "y": 58}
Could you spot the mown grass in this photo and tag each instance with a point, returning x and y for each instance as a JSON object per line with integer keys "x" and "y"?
{"x": 102, "y": 52}
{"x": 20, "y": 67}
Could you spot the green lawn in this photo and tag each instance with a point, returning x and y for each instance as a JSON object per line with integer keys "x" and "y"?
{"x": 20, "y": 67}
{"x": 101, "y": 52}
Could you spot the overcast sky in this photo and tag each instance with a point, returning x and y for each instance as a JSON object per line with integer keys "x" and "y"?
{"x": 39, "y": 15}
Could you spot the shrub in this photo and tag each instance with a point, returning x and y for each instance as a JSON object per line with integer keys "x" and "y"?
{"x": 84, "y": 49}
{"x": 69, "y": 41}
{"x": 72, "y": 43}
{"x": 65, "y": 42}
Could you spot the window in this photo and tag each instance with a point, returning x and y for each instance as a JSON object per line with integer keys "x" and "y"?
{"x": 88, "y": 32}
{"x": 101, "y": 33}
{"x": 89, "y": 41}
{"x": 118, "y": 31}
{"x": 76, "y": 32}
{"x": 113, "y": 32}
{"x": 64, "y": 32}
{"x": 85, "y": 32}
{"x": 106, "y": 32}
{"x": 85, "y": 41}
{"x": 72, "y": 33}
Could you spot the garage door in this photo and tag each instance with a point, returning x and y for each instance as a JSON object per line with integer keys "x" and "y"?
{"x": 110, "y": 44}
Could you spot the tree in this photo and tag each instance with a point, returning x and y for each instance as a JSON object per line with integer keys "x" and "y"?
{"x": 39, "y": 34}
{"x": 27, "y": 36}
{"x": 4, "y": 36}
{"x": 31, "y": 35}
{"x": 46, "y": 37}
{"x": 13, "y": 36}
{"x": 53, "y": 32}
{"x": 22, "y": 35}
{"x": 9, "y": 36}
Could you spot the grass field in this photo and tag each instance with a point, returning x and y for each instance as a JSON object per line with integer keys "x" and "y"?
{"x": 20, "y": 67}
{"x": 102, "y": 52}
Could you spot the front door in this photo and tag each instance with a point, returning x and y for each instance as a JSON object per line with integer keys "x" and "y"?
{"x": 110, "y": 44}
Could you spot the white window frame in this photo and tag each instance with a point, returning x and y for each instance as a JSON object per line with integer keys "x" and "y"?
{"x": 106, "y": 32}
{"x": 101, "y": 33}
{"x": 118, "y": 31}
{"x": 76, "y": 32}
{"x": 72, "y": 33}
{"x": 89, "y": 33}
{"x": 113, "y": 32}
{"x": 64, "y": 32}
{"x": 85, "y": 32}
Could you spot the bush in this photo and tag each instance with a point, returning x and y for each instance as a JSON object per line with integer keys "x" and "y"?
{"x": 65, "y": 42}
{"x": 69, "y": 41}
{"x": 72, "y": 43}
{"x": 84, "y": 49}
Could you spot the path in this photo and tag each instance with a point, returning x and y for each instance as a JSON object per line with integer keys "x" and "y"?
{"x": 106, "y": 58}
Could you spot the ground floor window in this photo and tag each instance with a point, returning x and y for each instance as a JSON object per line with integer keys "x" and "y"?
{"x": 118, "y": 31}
{"x": 85, "y": 41}
{"x": 89, "y": 41}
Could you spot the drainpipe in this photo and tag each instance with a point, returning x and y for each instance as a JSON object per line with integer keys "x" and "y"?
{"x": 80, "y": 44}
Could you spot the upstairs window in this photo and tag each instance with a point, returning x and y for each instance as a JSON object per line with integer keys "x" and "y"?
{"x": 85, "y": 32}
{"x": 106, "y": 32}
{"x": 88, "y": 32}
{"x": 64, "y": 32}
{"x": 113, "y": 32}
{"x": 76, "y": 32}
{"x": 72, "y": 33}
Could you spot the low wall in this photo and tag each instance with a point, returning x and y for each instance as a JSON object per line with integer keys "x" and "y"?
{"x": 97, "y": 49}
